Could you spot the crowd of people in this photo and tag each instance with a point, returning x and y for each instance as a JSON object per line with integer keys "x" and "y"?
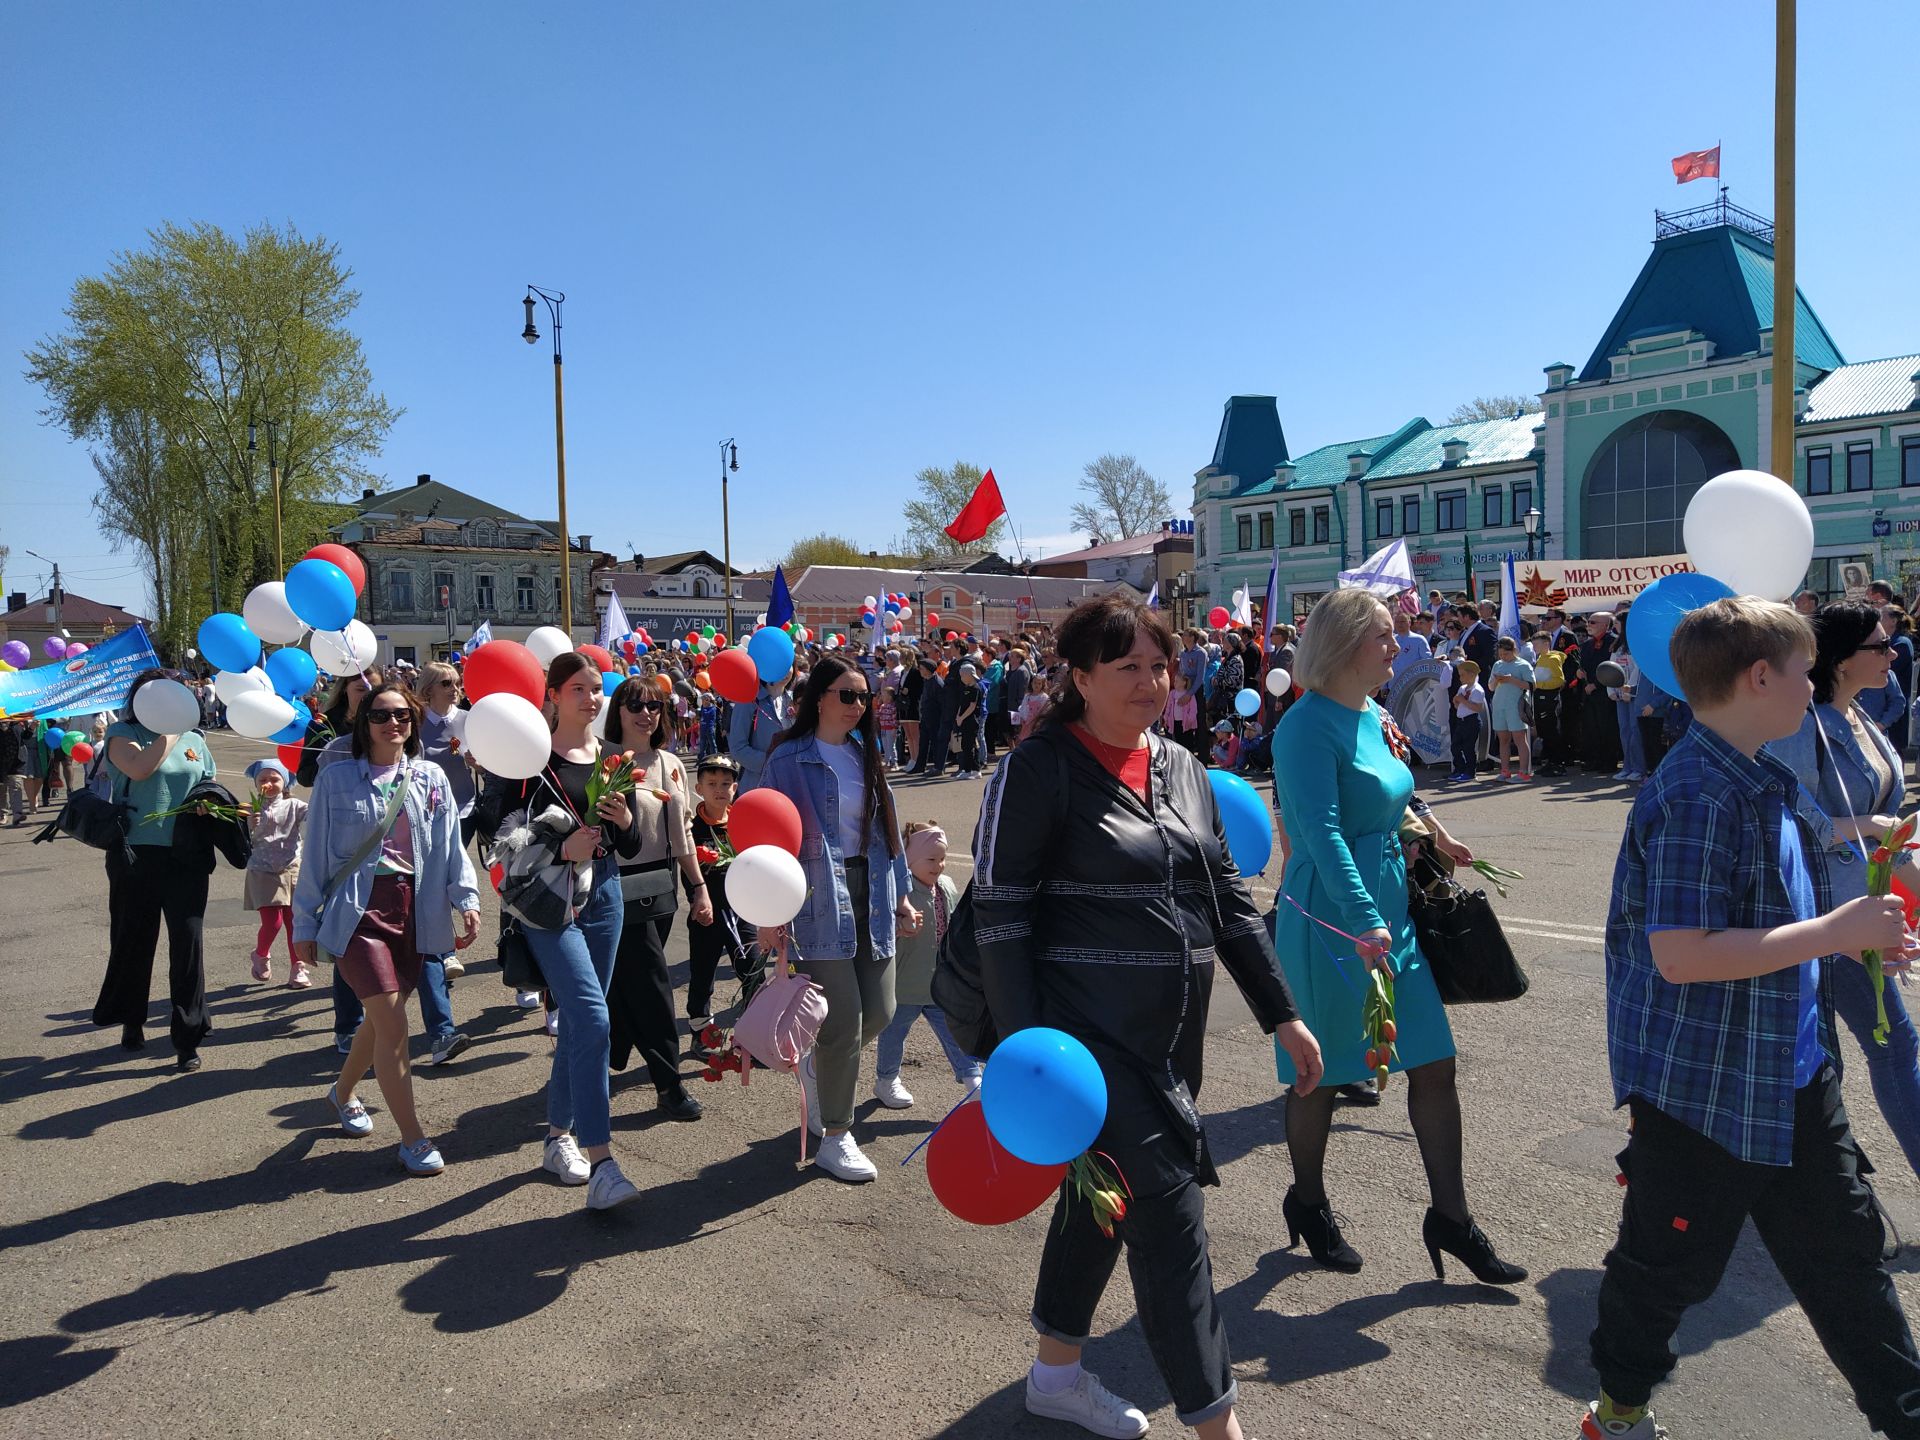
{"x": 1103, "y": 897}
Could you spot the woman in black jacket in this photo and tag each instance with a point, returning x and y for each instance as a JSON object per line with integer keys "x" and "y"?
{"x": 1103, "y": 893}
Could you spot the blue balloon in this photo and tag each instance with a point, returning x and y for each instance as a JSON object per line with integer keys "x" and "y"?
{"x": 1044, "y": 1096}
{"x": 771, "y": 651}
{"x": 291, "y": 672}
{"x": 1243, "y": 815}
{"x": 610, "y": 681}
{"x": 640, "y": 647}
{"x": 1247, "y": 704}
{"x": 54, "y": 737}
{"x": 295, "y": 730}
{"x": 227, "y": 643}
{"x": 1656, "y": 611}
{"x": 320, "y": 594}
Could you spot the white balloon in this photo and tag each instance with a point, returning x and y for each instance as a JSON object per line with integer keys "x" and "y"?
{"x": 192, "y": 654}
{"x": 1752, "y": 532}
{"x": 259, "y": 714}
{"x": 1278, "y": 682}
{"x": 906, "y": 612}
{"x": 166, "y": 707}
{"x": 270, "y": 617}
{"x": 508, "y": 736}
{"x": 548, "y": 643}
{"x": 765, "y": 885}
{"x": 344, "y": 652}
{"x": 230, "y": 685}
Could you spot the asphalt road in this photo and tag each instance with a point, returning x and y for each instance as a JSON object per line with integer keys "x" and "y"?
{"x": 206, "y": 1255}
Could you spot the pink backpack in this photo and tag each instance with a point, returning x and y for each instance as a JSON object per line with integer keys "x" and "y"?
{"x": 780, "y": 1025}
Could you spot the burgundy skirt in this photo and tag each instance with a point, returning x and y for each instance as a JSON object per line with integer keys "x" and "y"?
{"x": 380, "y": 958}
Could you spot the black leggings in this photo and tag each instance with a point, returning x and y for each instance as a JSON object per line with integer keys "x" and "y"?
{"x": 640, "y": 1001}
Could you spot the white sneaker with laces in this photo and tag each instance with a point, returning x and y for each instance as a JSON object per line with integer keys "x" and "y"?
{"x": 841, "y": 1158}
{"x": 811, "y": 1084}
{"x": 888, "y": 1090}
{"x": 1091, "y": 1406}
{"x": 562, "y": 1157}
{"x": 607, "y": 1187}
{"x": 527, "y": 999}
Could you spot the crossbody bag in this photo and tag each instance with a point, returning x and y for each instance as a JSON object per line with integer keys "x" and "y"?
{"x": 375, "y": 839}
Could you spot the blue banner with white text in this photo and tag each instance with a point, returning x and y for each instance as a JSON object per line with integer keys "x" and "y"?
{"x": 90, "y": 682}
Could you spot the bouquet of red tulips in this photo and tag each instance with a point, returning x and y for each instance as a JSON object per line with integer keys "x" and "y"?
{"x": 1098, "y": 1181}
{"x": 614, "y": 775}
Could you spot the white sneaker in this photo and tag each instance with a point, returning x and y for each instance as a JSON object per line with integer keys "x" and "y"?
{"x": 888, "y": 1090}
{"x": 553, "y": 1024}
{"x": 1091, "y": 1406}
{"x": 562, "y": 1156}
{"x": 607, "y": 1187}
{"x": 454, "y": 968}
{"x": 972, "y": 1083}
{"x": 841, "y": 1158}
{"x": 527, "y": 999}
{"x": 811, "y": 1084}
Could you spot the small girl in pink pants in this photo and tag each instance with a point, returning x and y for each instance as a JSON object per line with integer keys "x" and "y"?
{"x": 274, "y": 867}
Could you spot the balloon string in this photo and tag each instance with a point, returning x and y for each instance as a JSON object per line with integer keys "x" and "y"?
{"x": 936, "y": 1129}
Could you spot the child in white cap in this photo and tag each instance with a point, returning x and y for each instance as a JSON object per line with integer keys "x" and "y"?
{"x": 274, "y": 866}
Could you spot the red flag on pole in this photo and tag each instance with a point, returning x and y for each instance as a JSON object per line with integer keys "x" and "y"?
{"x": 1696, "y": 165}
{"x": 978, "y": 513}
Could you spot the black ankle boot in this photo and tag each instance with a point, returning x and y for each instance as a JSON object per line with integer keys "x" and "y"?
{"x": 132, "y": 1038}
{"x": 1321, "y": 1231}
{"x": 1469, "y": 1245}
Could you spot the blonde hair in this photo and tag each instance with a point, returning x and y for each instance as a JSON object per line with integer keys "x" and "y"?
{"x": 1712, "y": 647}
{"x": 1467, "y": 668}
{"x": 1335, "y": 627}
{"x": 433, "y": 670}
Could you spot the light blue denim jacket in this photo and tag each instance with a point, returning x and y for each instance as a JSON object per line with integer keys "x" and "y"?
{"x": 344, "y": 808}
{"x": 1822, "y": 772}
{"x": 750, "y": 732}
{"x": 824, "y": 928}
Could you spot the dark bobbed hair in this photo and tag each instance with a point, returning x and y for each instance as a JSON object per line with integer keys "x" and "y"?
{"x": 335, "y": 710}
{"x": 637, "y": 687}
{"x": 1839, "y": 629}
{"x": 363, "y": 727}
{"x": 826, "y": 675}
{"x": 1099, "y": 631}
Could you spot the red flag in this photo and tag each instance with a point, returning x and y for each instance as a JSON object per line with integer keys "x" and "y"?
{"x": 978, "y": 513}
{"x": 1696, "y": 165}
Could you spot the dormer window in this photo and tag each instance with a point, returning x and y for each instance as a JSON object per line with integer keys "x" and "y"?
{"x": 1357, "y": 464}
{"x": 1454, "y": 452}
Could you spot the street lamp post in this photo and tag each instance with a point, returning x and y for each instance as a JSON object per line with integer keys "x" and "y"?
{"x": 531, "y": 335}
{"x": 729, "y": 460}
{"x": 1530, "y": 522}
{"x": 273, "y": 469}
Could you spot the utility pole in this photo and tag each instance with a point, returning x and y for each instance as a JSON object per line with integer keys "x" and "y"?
{"x": 1785, "y": 366}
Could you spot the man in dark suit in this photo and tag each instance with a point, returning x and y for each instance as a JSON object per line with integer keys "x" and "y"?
{"x": 1599, "y": 728}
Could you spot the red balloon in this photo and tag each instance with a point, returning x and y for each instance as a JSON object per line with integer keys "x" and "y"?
{"x": 600, "y": 656}
{"x": 1218, "y": 617}
{"x": 932, "y": 619}
{"x": 82, "y": 752}
{"x": 974, "y": 1177}
{"x": 343, "y": 557}
{"x": 764, "y": 817}
{"x": 505, "y": 667}
{"x": 289, "y": 757}
{"x": 734, "y": 676}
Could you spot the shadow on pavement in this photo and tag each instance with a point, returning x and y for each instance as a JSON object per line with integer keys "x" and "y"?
{"x": 44, "y": 1365}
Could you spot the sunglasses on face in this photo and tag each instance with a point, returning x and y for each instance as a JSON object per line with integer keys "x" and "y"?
{"x": 1878, "y": 647}
{"x": 402, "y": 718}
{"x": 638, "y": 706}
{"x": 852, "y": 697}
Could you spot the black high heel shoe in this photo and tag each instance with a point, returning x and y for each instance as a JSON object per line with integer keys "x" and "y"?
{"x": 1322, "y": 1233}
{"x": 1469, "y": 1245}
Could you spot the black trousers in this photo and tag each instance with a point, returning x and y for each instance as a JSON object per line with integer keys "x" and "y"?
{"x": 1166, "y": 1242}
{"x": 1599, "y": 731}
{"x": 707, "y": 946}
{"x": 640, "y": 1000}
{"x": 1546, "y": 716}
{"x": 155, "y": 885}
{"x": 1686, "y": 1201}
{"x": 1466, "y": 743}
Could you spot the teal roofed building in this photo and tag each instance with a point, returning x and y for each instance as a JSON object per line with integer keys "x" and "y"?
{"x": 1678, "y": 389}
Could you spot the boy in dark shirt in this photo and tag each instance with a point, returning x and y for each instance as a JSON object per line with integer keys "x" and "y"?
{"x": 714, "y": 780}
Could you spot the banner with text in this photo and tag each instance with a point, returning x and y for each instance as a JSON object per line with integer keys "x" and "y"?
{"x": 1582, "y": 586}
{"x": 97, "y": 680}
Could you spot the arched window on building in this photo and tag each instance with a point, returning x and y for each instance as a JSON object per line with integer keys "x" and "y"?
{"x": 699, "y": 588}
{"x": 1638, "y": 484}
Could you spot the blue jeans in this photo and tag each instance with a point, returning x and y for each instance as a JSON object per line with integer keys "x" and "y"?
{"x": 577, "y": 964}
{"x": 893, "y": 1042}
{"x": 436, "y": 1006}
{"x": 1893, "y": 1069}
{"x": 1633, "y": 755}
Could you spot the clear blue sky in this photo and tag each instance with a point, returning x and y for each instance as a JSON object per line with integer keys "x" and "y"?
{"x": 867, "y": 237}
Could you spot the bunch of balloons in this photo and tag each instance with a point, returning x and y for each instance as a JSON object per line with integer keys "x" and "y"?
{"x": 1747, "y": 533}
{"x": 70, "y": 743}
{"x": 896, "y": 608}
{"x": 15, "y": 655}
{"x": 1042, "y": 1103}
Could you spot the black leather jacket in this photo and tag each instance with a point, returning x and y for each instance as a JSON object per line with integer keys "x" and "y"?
{"x": 1101, "y": 915}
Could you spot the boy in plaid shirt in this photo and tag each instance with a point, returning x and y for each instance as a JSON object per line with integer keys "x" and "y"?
{"x": 1721, "y": 1037}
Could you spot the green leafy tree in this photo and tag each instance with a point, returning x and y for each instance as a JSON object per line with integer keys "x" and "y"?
{"x": 1125, "y": 501}
{"x": 166, "y": 360}
{"x": 825, "y": 549}
{"x": 942, "y": 494}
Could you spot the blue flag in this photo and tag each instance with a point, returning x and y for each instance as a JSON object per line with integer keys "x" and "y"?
{"x": 96, "y": 680}
{"x": 780, "y": 605}
{"x": 1510, "y": 606}
{"x": 482, "y": 633}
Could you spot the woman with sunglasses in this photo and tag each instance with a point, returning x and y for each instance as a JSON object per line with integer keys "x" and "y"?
{"x": 382, "y": 874}
{"x": 1852, "y": 787}
{"x": 577, "y": 960}
{"x": 828, "y": 764}
{"x": 640, "y": 997}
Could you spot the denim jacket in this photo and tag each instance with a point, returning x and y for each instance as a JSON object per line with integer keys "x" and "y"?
{"x": 750, "y": 732}
{"x": 824, "y": 928}
{"x": 1824, "y": 771}
{"x": 343, "y": 809}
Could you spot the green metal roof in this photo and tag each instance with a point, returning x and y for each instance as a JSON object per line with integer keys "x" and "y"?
{"x": 1873, "y": 387}
{"x": 1416, "y": 448}
{"x": 1810, "y": 339}
{"x": 1325, "y": 466}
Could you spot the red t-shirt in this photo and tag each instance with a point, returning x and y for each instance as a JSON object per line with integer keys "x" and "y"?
{"x": 1129, "y": 767}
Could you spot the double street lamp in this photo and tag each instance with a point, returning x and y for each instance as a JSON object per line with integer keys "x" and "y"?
{"x": 531, "y": 335}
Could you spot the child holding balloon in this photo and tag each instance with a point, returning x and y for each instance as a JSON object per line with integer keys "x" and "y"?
{"x": 274, "y": 866}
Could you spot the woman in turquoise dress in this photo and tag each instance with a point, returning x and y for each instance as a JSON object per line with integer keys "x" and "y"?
{"x": 1342, "y": 793}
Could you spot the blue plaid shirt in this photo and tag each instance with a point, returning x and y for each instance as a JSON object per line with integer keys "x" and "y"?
{"x": 1702, "y": 852}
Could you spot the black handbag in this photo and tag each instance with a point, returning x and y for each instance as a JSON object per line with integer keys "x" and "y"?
{"x": 651, "y": 894}
{"x": 519, "y": 969}
{"x": 1461, "y": 940}
{"x": 91, "y": 815}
